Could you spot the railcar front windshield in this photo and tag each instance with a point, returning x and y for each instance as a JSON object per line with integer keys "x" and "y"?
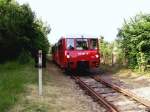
{"x": 70, "y": 44}
{"x": 93, "y": 44}
{"x": 81, "y": 44}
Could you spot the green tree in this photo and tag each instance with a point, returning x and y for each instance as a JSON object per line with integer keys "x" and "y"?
{"x": 135, "y": 40}
{"x": 20, "y": 30}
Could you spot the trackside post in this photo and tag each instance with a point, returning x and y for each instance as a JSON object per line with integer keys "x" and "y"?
{"x": 40, "y": 71}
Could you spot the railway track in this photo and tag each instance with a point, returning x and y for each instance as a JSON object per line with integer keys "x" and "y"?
{"x": 112, "y": 97}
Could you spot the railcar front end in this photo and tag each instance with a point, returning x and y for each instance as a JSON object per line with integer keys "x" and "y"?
{"x": 81, "y": 53}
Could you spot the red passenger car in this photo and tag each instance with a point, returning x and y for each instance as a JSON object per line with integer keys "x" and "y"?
{"x": 76, "y": 53}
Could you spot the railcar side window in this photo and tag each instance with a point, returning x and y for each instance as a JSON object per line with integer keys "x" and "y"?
{"x": 70, "y": 44}
{"x": 81, "y": 44}
{"x": 60, "y": 45}
{"x": 93, "y": 44}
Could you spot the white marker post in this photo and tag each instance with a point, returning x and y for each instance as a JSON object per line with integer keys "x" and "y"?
{"x": 40, "y": 72}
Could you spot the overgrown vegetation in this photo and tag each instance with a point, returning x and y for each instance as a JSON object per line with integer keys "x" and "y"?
{"x": 22, "y": 34}
{"x": 110, "y": 52}
{"x": 105, "y": 50}
{"x": 20, "y": 31}
{"x": 134, "y": 38}
{"x": 13, "y": 79}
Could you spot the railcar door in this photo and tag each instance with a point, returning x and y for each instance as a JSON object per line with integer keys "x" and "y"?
{"x": 94, "y": 52}
{"x": 61, "y": 53}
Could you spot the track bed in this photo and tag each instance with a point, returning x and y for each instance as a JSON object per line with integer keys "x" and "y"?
{"x": 112, "y": 97}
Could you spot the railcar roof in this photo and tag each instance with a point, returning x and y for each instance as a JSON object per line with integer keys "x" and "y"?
{"x": 79, "y": 36}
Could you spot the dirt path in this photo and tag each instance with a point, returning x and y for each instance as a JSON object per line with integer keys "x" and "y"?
{"x": 138, "y": 84}
{"x": 61, "y": 94}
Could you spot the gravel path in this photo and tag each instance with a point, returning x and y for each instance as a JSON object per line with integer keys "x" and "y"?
{"x": 61, "y": 94}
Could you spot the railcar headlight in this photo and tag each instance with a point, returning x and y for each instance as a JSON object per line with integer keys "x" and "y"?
{"x": 68, "y": 56}
{"x": 97, "y": 56}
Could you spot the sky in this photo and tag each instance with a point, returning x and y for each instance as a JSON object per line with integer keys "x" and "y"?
{"x": 86, "y": 17}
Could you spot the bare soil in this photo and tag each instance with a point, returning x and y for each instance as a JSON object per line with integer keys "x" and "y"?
{"x": 60, "y": 94}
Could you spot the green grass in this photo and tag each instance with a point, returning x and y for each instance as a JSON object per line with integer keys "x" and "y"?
{"x": 13, "y": 78}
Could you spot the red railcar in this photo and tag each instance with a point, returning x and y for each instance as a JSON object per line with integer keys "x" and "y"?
{"x": 76, "y": 53}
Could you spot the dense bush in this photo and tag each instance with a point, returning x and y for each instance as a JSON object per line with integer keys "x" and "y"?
{"x": 20, "y": 30}
{"x": 135, "y": 41}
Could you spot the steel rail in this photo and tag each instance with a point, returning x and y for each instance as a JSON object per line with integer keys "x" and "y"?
{"x": 124, "y": 91}
{"x": 100, "y": 99}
